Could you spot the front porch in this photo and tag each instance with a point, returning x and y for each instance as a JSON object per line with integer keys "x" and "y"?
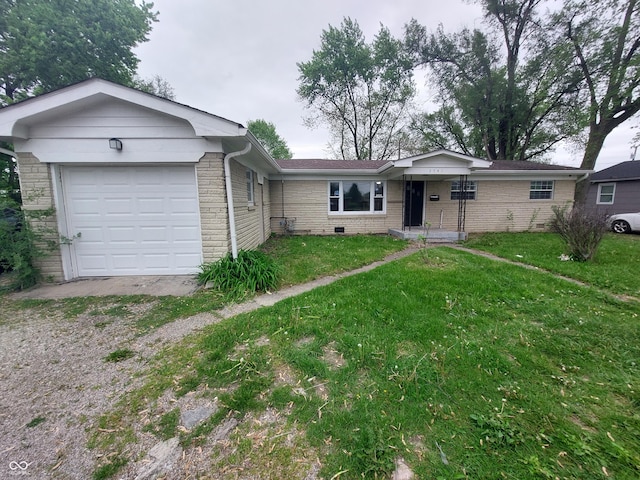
{"x": 435, "y": 235}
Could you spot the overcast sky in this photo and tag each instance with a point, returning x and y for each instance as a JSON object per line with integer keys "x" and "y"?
{"x": 237, "y": 58}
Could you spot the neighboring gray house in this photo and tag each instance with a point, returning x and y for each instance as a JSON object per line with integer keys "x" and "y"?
{"x": 616, "y": 189}
{"x": 141, "y": 185}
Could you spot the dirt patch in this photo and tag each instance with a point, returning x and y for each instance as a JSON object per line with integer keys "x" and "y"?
{"x": 332, "y": 357}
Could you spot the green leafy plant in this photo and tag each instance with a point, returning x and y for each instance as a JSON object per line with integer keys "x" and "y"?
{"x": 21, "y": 244}
{"x": 108, "y": 470}
{"x": 119, "y": 355}
{"x": 498, "y": 430}
{"x": 166, "y": 426}
{"x": 36, "y": 421}
{"x": 581, "y": 229}
{"x": 251, "y": 272}
{"x": 423, "y": 239}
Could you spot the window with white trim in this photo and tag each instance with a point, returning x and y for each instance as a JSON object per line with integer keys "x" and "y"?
{"x": 606, "y": 193}
{"x": 361, "y": 196}
{"x": 250, "y": 198}
{"x": 541, "y": 190}
{"x": 470, "y": 189}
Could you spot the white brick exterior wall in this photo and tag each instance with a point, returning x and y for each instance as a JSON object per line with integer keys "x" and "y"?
{"x": 499, "y": 206}
{"x": 306, "y": 203}
{"x": 214, "y": 216}
{"x": 37, "y": 195}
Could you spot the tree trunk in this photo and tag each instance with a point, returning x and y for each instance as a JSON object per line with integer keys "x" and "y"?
{"x": 597, "y": 135}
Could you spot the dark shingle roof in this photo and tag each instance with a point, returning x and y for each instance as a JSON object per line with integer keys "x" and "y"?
{"x": 322, "y": 164}
{"x": 629, "y": 170}
{"x": 523, "y": 165}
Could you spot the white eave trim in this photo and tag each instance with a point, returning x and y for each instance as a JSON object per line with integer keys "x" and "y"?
{"x": 526, "y": 174}
{"x": 320, "y": 171}
{"x": 13, "y": 117}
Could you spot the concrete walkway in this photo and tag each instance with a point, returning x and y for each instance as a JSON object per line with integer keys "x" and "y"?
{"x": 178, "y": 286}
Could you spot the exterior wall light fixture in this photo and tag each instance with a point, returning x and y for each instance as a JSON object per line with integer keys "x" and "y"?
{"x": 115, "y": 143}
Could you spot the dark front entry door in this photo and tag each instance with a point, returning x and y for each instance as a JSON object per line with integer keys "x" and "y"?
{"x": 413, "y": 203}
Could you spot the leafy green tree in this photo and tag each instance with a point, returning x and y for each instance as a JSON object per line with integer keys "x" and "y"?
{"x": 9, "y": 184}
{"x": 360, "y": 91}
{"x": 605, "y": 37}
{"x": 507, "y": 95}
{"x": 273, "y": 143}
{"x": 49, "y": 44}
{"x": 156, "y": 86}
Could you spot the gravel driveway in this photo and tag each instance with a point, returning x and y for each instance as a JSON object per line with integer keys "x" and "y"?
{"x": 54, "y": 381}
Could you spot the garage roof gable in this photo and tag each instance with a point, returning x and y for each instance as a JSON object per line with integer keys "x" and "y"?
{"x": 15, "y": 119}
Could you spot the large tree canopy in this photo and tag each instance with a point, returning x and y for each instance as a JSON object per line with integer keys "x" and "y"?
{"x": 49, "y": 44}
{"x": 505, "y": 93}
{"x": 605, "y": 38}
{"x": 266, "y": 133}
{"x": 360, "y": 91}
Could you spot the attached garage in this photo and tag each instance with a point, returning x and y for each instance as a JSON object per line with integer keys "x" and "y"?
{"x": 127, "y": 183}
{"x": 140, "y": 220}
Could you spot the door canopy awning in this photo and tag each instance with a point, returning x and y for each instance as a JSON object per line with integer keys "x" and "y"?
{"x": 437, "y": 165}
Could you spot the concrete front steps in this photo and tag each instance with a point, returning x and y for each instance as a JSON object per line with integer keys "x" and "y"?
{"x": 434, "y": 235}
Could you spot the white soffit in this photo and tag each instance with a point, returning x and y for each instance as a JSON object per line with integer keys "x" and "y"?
{"x": 16, "y": 119}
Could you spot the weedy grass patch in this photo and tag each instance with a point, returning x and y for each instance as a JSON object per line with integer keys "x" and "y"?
{"x": 614, "y": 268}
{"x": 307, "y": 257}
{"x": 465, "y": 367}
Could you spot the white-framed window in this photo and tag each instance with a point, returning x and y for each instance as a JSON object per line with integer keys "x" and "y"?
{"x": 470, "y": 189}
{"x": 606, "y": 193}
{"x": 250, "y": 197}
{"x": 541, "y": 190}
{"x": 357, "y": 196}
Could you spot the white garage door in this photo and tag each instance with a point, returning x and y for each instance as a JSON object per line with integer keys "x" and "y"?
{"x": 133, "y": 220}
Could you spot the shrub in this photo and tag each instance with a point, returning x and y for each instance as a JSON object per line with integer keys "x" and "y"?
{"x": 18, "y": 250}
{"x": 580, "y": 228}
{"x": 252, "y": 271}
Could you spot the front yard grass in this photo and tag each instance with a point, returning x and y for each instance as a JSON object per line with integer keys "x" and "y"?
{"x": 615, "y": 267}
{"x": 463, "y": 366}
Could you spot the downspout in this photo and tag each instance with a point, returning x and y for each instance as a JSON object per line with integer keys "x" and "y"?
{"x": 227, "y": 181}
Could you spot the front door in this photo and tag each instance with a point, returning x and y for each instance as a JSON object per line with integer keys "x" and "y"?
{"x": 413, "y": 203}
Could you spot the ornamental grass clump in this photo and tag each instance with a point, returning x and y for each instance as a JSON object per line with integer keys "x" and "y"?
{"x": 251, "y": 272}
{"x": 581, "y": 229}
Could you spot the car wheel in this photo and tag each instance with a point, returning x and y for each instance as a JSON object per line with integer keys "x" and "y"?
{"x": 621, "y": 226}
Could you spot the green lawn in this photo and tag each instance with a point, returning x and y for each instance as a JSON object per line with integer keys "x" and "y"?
{"x": 464, "y": 366}
{"x": 616, "y": 267}
{"x": 308, "y": 257}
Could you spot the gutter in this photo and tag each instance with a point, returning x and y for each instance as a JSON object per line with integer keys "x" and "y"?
{"x": 12, "y": 154}
{"x": 227, "y": 180}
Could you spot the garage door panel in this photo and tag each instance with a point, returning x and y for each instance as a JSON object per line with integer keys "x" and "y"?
{"x": 155, "y": 261}
{"x": 118, "y": 206}
{"x": 133, "y": 220}
{"x": 154, "y": 235}
{"x": 152, "y": 206}
{"x": 90, "y": 235}
{"x": 85, "y": 206}
{"x": 121, "y": 235}
{"x": 92, "y": 263}
{"x": 183, "y": 234}
{"x": 184, "y": 261}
